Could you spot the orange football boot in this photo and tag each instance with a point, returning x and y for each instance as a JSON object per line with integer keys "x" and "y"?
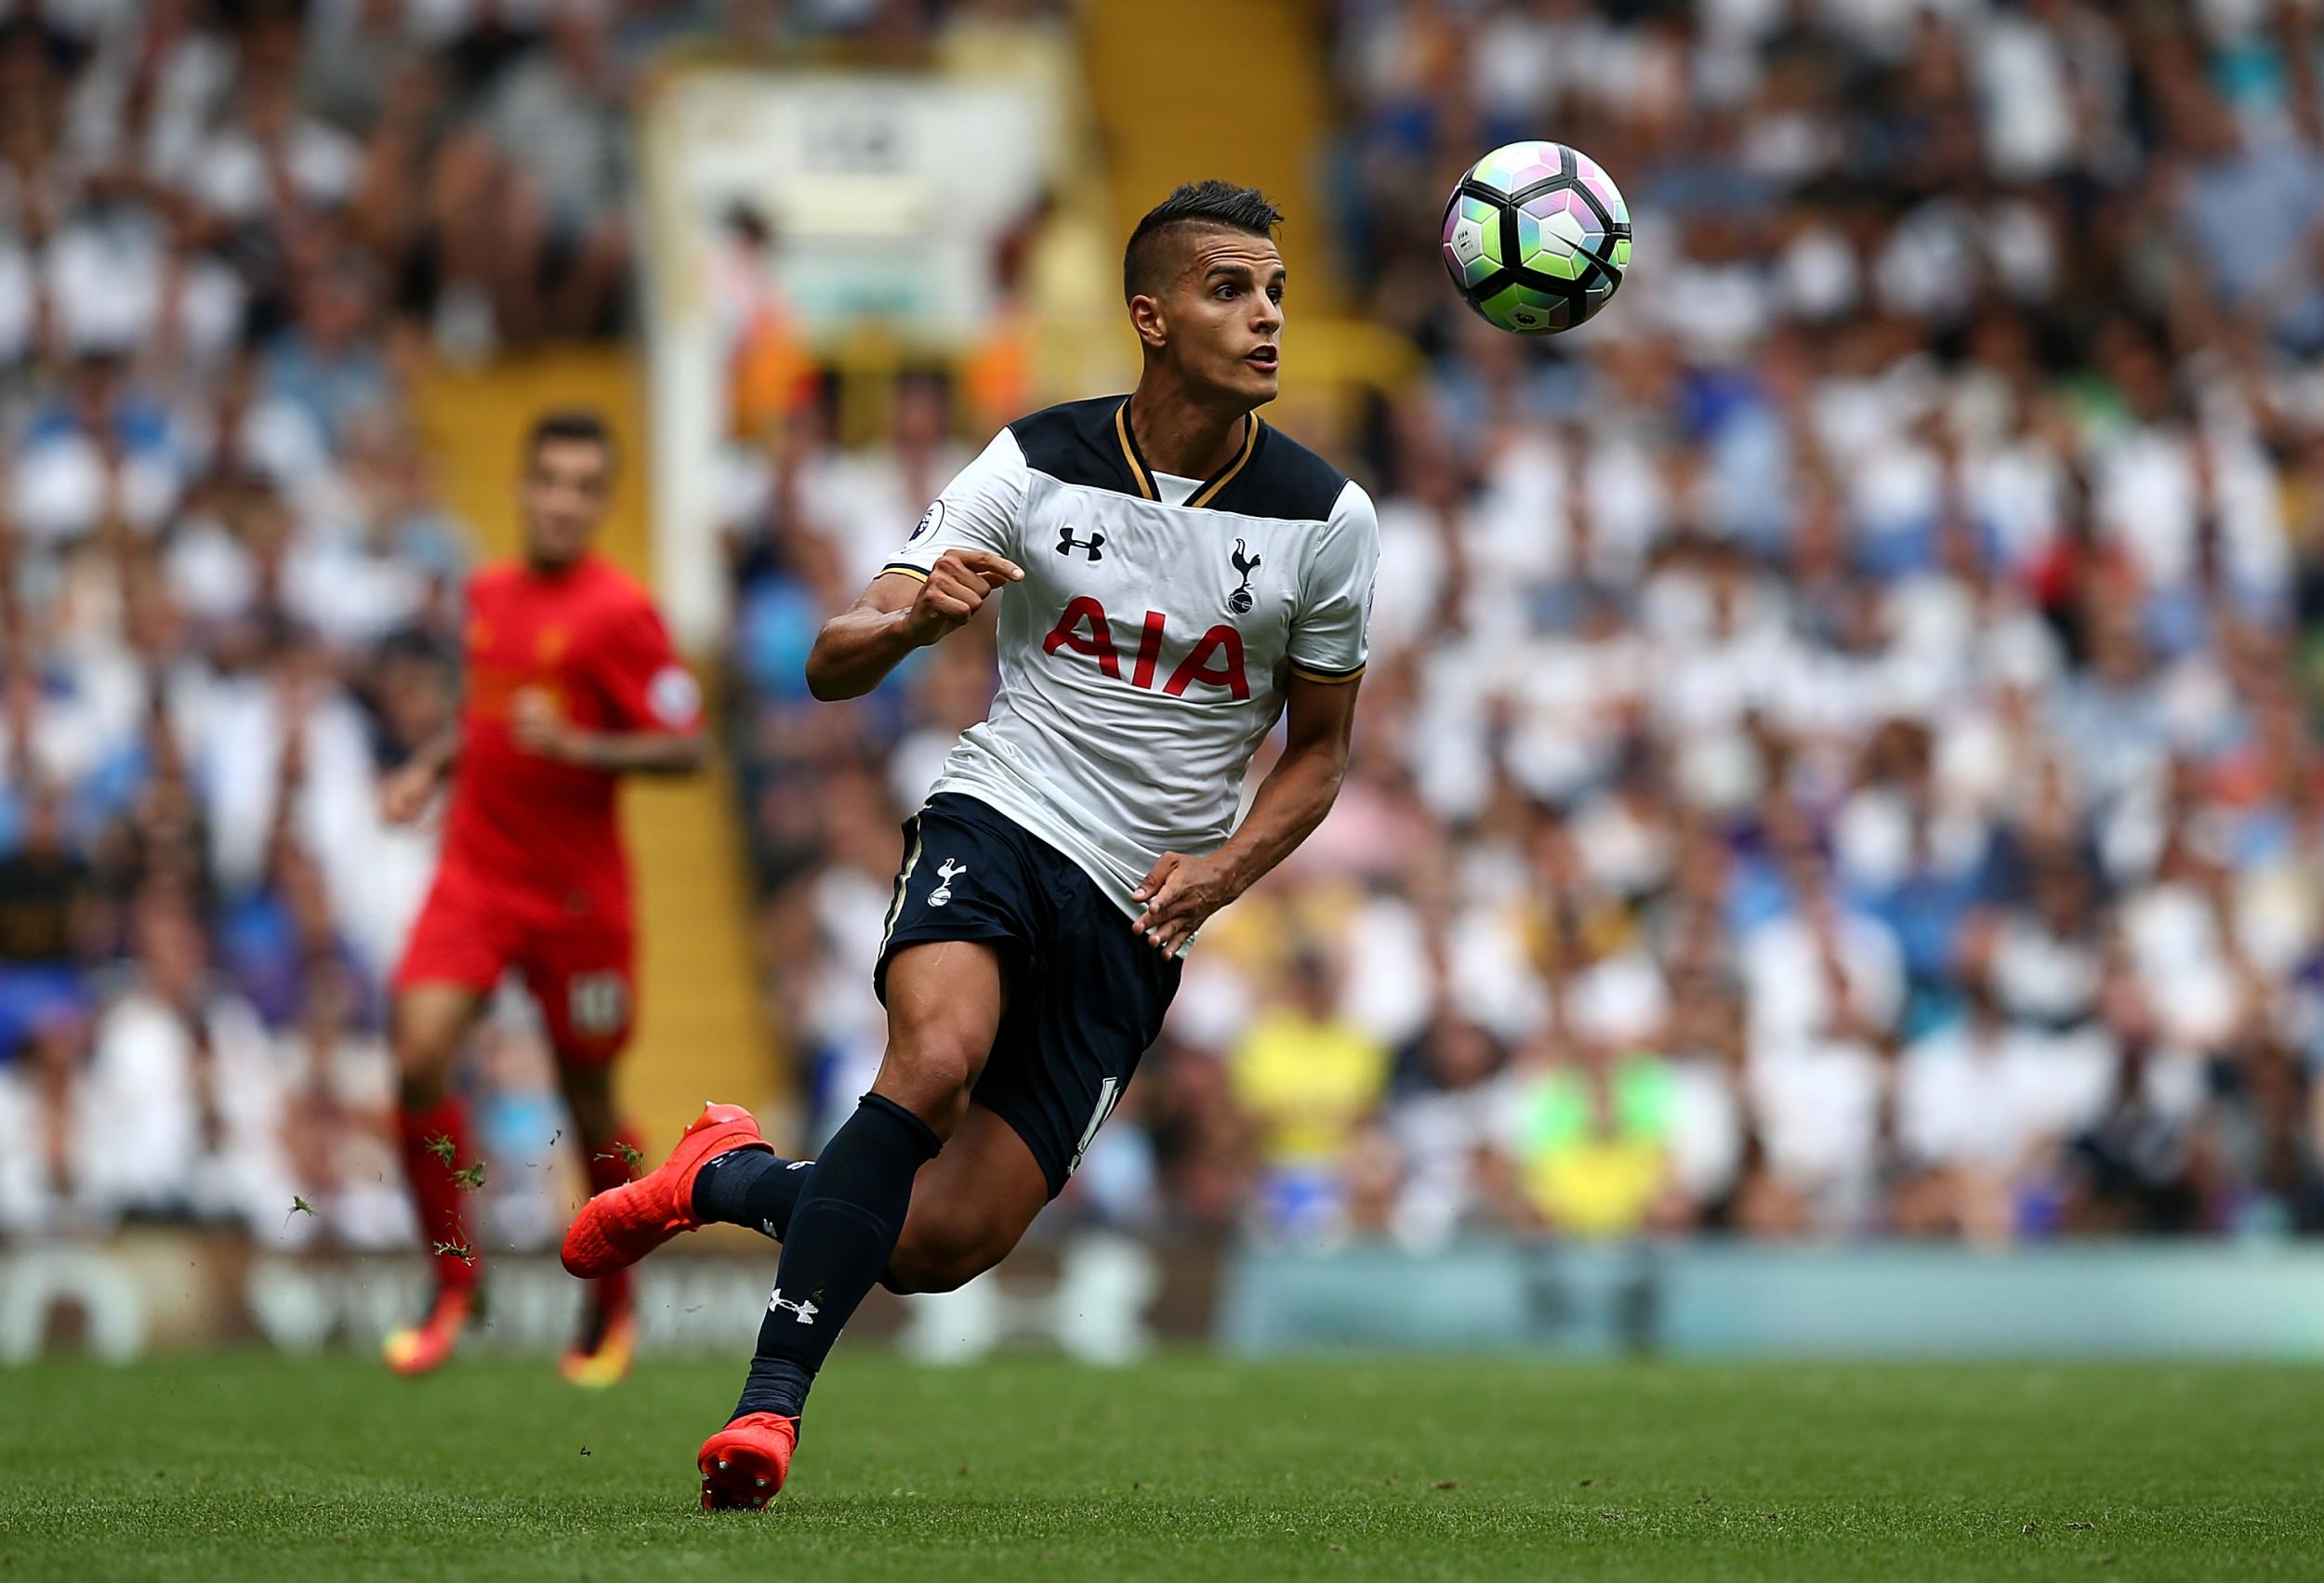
{"x": 415, "y": 1350}
{"x": 623, "y": 1224}
{"x": 745, "y": 1463}
{"x": 601, "y": 1355}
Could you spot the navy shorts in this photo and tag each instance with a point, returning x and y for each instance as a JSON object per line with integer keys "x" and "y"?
{"x": 1086, "y": 995}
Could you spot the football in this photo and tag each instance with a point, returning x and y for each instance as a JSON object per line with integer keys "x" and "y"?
{"x": 1537, "y": 238}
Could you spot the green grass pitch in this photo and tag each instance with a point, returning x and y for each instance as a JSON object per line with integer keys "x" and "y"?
{"x": 256, "y": 1468}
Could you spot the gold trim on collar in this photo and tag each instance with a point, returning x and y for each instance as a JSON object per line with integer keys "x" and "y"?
{"x": 1251, "y": 442}
{"x": 1130, "y": 452}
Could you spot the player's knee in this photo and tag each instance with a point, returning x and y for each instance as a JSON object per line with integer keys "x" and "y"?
{"x": 931, "y": 1070}
{"x": 421, "y": 1059}
{"x": 424, "y": 1046}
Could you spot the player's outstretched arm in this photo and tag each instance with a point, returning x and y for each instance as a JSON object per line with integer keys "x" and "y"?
{"x": 1180, "y": 892}
{"x": 898, "y": 614}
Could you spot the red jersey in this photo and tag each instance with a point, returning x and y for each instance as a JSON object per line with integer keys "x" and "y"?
{"x": 590, "y": 639}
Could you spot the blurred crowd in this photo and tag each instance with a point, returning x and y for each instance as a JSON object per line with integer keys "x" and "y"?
{"x": 233, "y": 235}
{"x": 1836, "y": 754}
{"x": 1835, "y": 759}
{"x": 229, "y": 589}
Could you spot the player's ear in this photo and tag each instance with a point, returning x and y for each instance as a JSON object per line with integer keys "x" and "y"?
{"x": 1147, "y": 318}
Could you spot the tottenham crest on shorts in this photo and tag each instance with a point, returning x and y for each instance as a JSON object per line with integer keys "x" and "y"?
{"x": 943, "y": 893}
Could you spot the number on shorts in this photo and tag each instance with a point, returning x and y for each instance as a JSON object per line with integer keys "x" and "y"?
{"x": 597, "y": 1003}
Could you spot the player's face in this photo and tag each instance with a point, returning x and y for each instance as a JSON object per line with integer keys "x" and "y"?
{"x": 1225, "y": 315}
{"x": 567, "y": 489}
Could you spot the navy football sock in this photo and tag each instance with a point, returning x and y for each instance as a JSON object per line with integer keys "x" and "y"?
{"x": 750, "y": 1187}
{"x": 850, "y": 1214}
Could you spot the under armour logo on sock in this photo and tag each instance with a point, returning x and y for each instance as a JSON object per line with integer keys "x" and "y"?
{"x": 806, "y": 1311}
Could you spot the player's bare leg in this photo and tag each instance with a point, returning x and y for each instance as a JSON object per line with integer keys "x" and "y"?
{"x": 428, "y": 1021}
{"x": 971, "y": 1206}
{"x": 601, "y": 1350}
{"x": 944, "y": 1005}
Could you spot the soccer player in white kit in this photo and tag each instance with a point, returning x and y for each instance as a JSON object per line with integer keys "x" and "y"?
{"x": 1174, "y": 577}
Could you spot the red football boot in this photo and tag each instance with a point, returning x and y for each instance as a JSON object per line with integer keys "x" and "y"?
{"x": 745, "y": 1463}
{"x": 623, "y": 1224}
{"x": 413, "y": 1349}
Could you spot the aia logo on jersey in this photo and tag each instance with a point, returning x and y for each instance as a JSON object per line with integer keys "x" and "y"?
{"x": 1215, "y": 660}
{"x": 1243, "y": 562}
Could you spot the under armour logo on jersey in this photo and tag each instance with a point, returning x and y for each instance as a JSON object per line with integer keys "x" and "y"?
{"x": 942, "y": 892}
{"x": 806, "y": 1311}
{"x": 1239, "y": 601}
{"x": 1067, "y": 543}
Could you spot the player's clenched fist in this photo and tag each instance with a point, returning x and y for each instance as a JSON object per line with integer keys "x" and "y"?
{"x": 1181, "y": 894}
{"x": 955, "y": 589}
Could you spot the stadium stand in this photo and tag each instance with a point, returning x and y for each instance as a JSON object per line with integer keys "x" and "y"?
{"x": 1836, "y": 755}
{"x": 1836, "y": 759}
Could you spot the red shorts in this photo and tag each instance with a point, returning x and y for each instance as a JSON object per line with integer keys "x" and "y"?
{"x": 581, "y": 970}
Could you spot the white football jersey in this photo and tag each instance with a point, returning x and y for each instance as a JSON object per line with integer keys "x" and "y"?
{"x": 1145, "y": 655}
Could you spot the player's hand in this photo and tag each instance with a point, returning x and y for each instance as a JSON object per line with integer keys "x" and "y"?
{"x": 403, "y": 796}
{"x": 956, "y": 590}
{"x": 539, "y": 726}
{"x": 1182, "y": 893}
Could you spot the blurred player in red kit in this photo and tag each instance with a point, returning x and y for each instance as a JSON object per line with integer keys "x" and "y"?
{"x": 571, "y": 684}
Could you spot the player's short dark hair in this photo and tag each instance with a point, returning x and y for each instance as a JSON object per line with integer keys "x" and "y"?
{"x": 1195, "y": 204}
{"x": 576, "y": 424}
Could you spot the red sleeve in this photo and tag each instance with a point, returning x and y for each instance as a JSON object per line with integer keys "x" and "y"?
{"x": 644, "y": 683}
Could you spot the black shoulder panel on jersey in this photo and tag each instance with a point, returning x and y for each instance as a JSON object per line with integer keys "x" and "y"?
{"x": 1076, "y": 443}
{"x": 1090, "y": 442}
{"x": 1285, "y": 478}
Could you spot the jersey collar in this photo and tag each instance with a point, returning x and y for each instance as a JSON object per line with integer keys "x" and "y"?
{"x": 579, "y": 566}
{"x": 1141, "y": 476}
